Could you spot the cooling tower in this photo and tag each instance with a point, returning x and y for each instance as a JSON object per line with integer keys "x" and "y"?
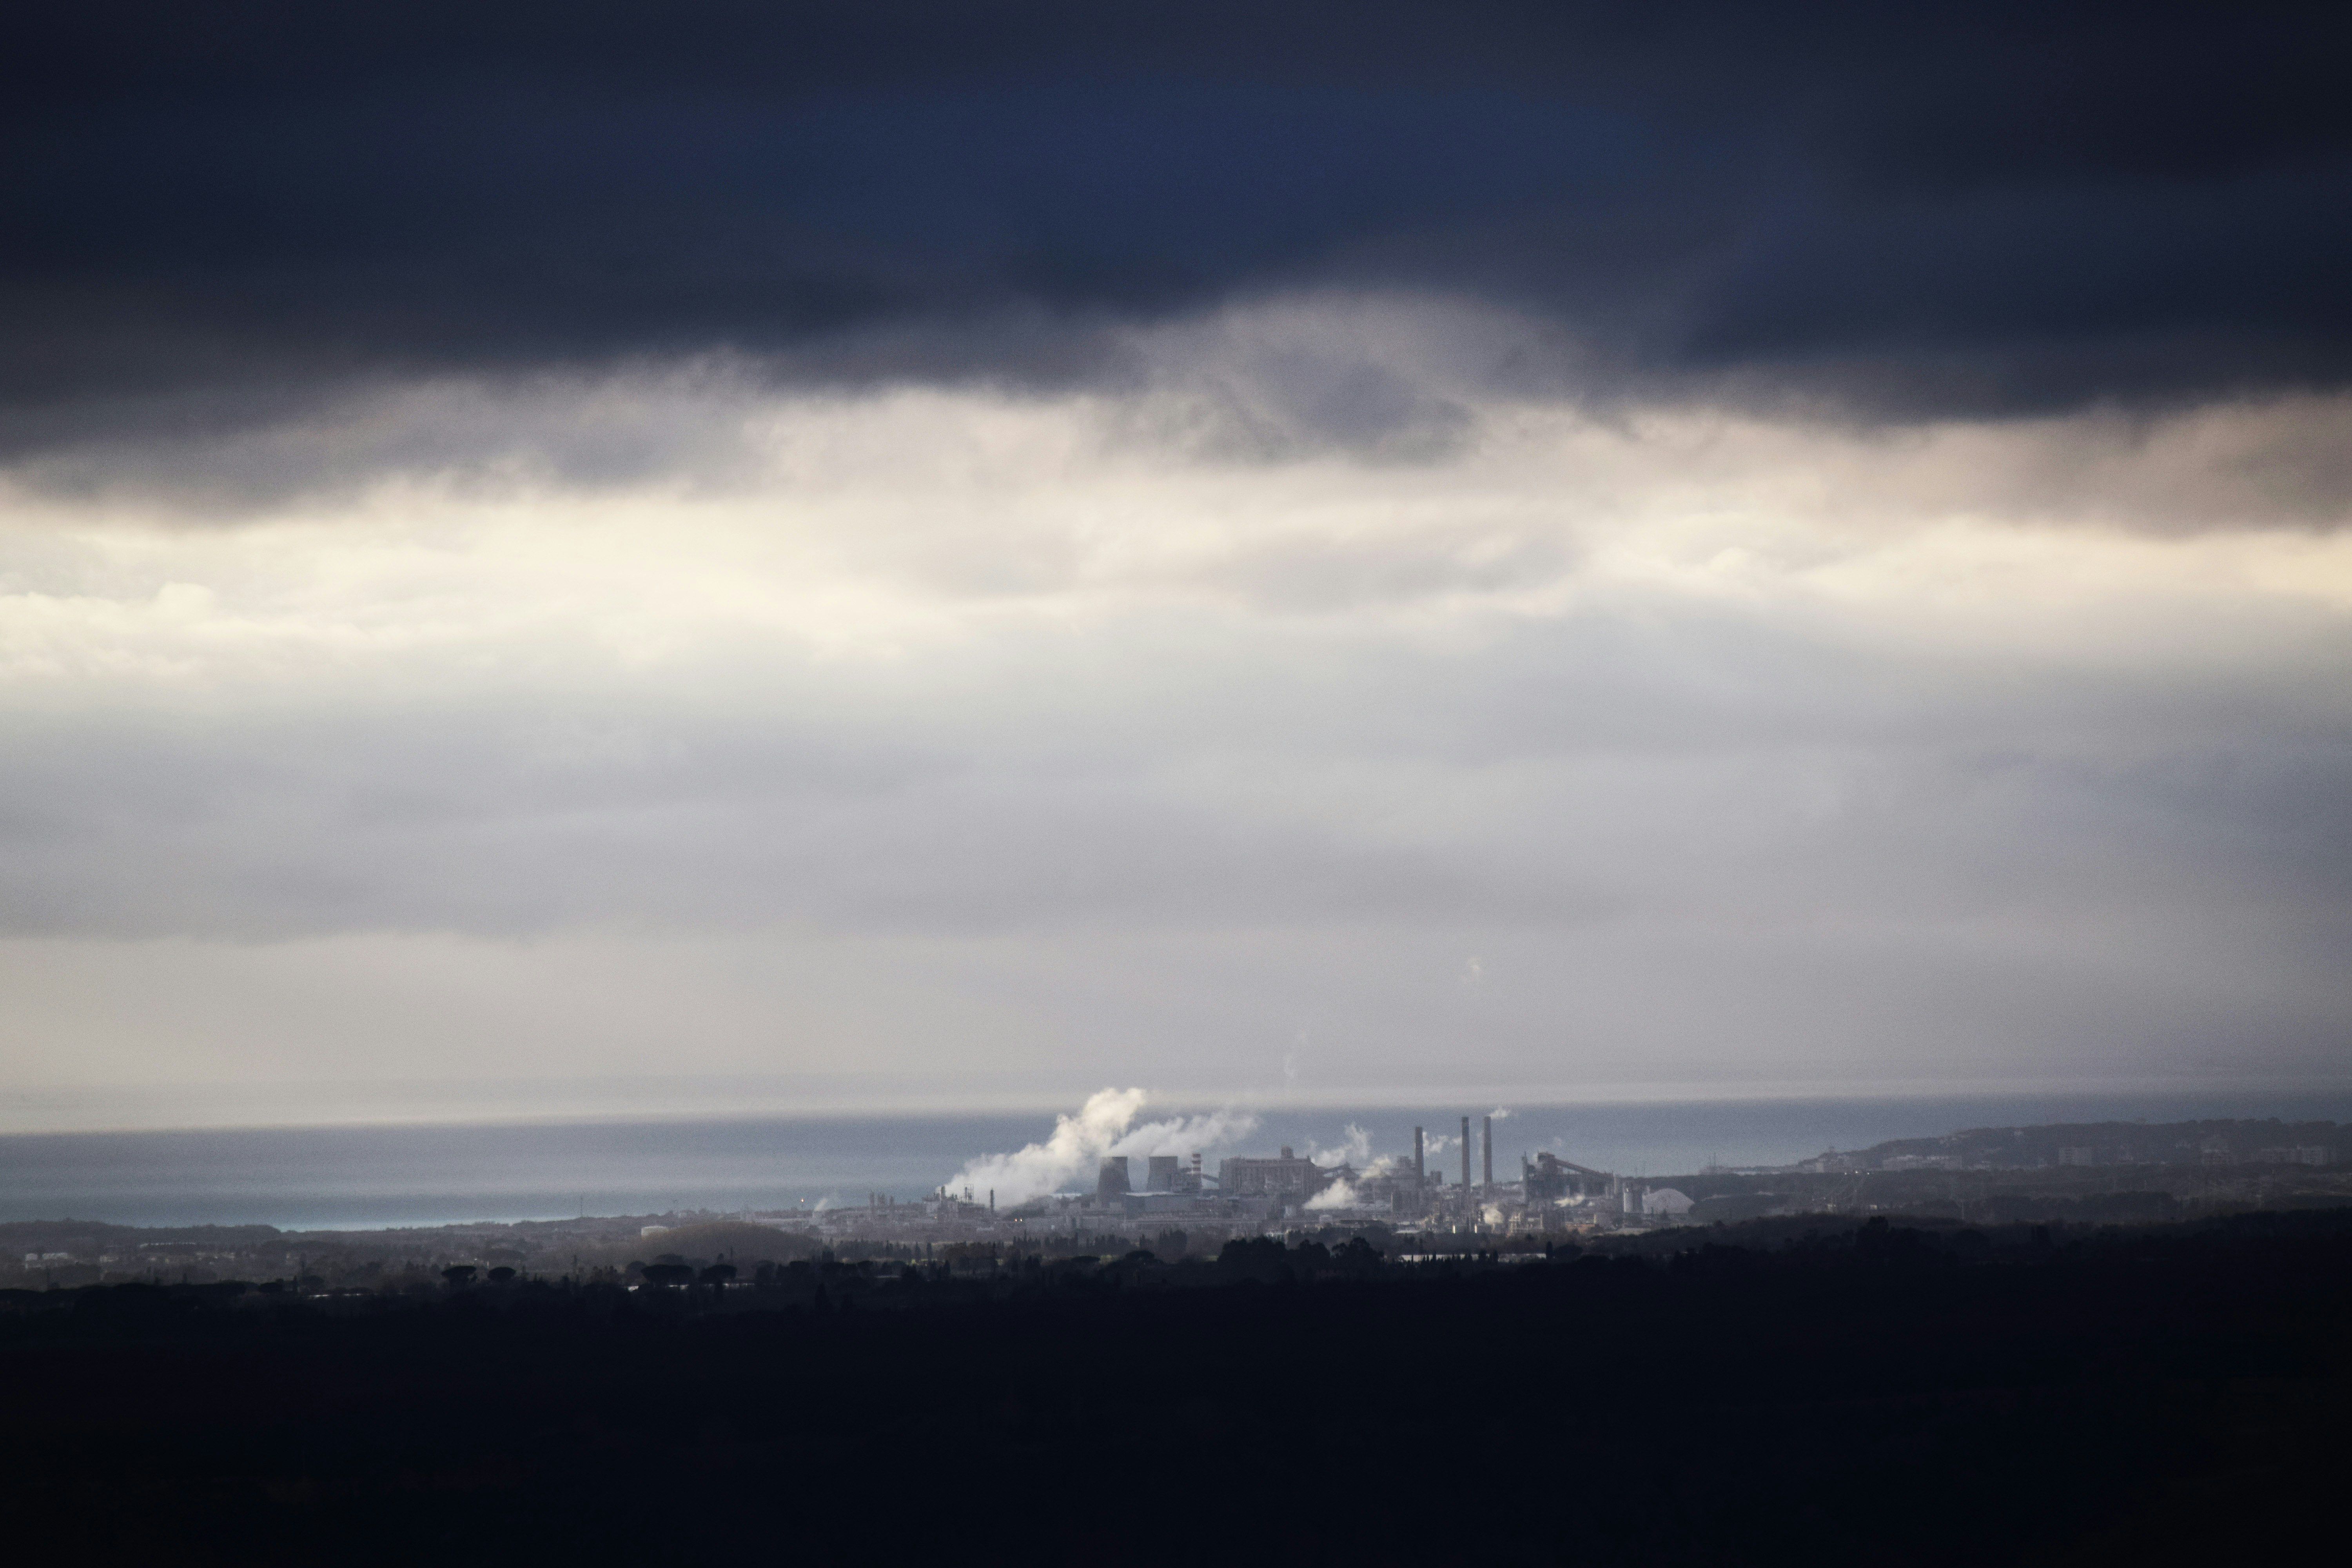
{"x": 1112, "y": 1186}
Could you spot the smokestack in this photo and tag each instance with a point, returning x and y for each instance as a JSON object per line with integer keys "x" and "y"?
{"x": 1465, "y": 1154}
{"x": 1486, "y": 1149}
{"x": 1420, "y": 1178}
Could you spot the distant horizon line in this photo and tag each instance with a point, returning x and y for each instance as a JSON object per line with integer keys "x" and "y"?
{"x": 76, "y": 1111}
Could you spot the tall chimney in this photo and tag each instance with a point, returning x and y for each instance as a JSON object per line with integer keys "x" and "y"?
{"x": 1465, "y": 1154}
{"x": 1486, "y": 1149}
{"x": 1420, "y": 1178}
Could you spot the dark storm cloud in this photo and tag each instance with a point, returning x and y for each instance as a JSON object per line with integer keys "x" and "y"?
{"x": 1899, "y": 210}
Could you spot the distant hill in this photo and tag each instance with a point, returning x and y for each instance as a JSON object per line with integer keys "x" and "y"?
{"x": 81, "y": 1235}
{"x": 2270, "y": 1141}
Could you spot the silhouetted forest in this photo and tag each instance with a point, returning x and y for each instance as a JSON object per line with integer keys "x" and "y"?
{"x": 1783, "y": 1390}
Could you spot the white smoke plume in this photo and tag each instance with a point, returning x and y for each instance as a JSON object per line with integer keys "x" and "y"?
{"x": 1104, "y": 1125}
{"x": 1354, "y": 1148}
{"x": 1340, "y": 1194}
{"x": 1182, "y": 1134}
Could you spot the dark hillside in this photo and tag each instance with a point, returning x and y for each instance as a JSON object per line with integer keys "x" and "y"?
{"x": 1876, "y": 1392}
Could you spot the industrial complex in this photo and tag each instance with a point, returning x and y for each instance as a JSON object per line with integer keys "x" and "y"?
{"x": 1408, "y": 1194}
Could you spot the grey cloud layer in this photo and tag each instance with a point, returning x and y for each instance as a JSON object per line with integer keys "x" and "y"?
{"x": 1675, "y": 850}
{"x": 1597, "y": 770}
{"x": 1387, "y": 383}
{"x": 1066, "y": 535}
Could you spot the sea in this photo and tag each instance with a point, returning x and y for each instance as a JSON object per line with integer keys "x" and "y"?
{"x": 399, "y": 1175}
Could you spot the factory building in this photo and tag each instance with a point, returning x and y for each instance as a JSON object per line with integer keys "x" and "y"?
{"x": 1547, "y": 1178}
{"x": 1288, "y": 1177}
{"x": 1394, "y": 1193}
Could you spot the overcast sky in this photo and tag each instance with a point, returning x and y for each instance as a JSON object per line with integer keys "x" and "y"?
{"x": 590, "y": 558}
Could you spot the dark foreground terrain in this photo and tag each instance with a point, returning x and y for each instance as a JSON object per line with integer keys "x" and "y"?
{"x": 1796, "y": 1391}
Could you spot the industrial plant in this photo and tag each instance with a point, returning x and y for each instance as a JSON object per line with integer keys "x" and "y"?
{"x": 1410, "y": 1194}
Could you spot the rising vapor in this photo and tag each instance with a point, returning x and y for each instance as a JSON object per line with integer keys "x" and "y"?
{"x": 1104, "y": 1126}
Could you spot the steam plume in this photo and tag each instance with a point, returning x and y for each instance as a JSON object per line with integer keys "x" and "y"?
{"x": 1104, "y": 1125}
{"x": 1340, "y": 1194}
{"x": 1354, "y": 1148}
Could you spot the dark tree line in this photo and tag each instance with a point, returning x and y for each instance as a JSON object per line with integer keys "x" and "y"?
{"x": 1867, "y": 1392}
